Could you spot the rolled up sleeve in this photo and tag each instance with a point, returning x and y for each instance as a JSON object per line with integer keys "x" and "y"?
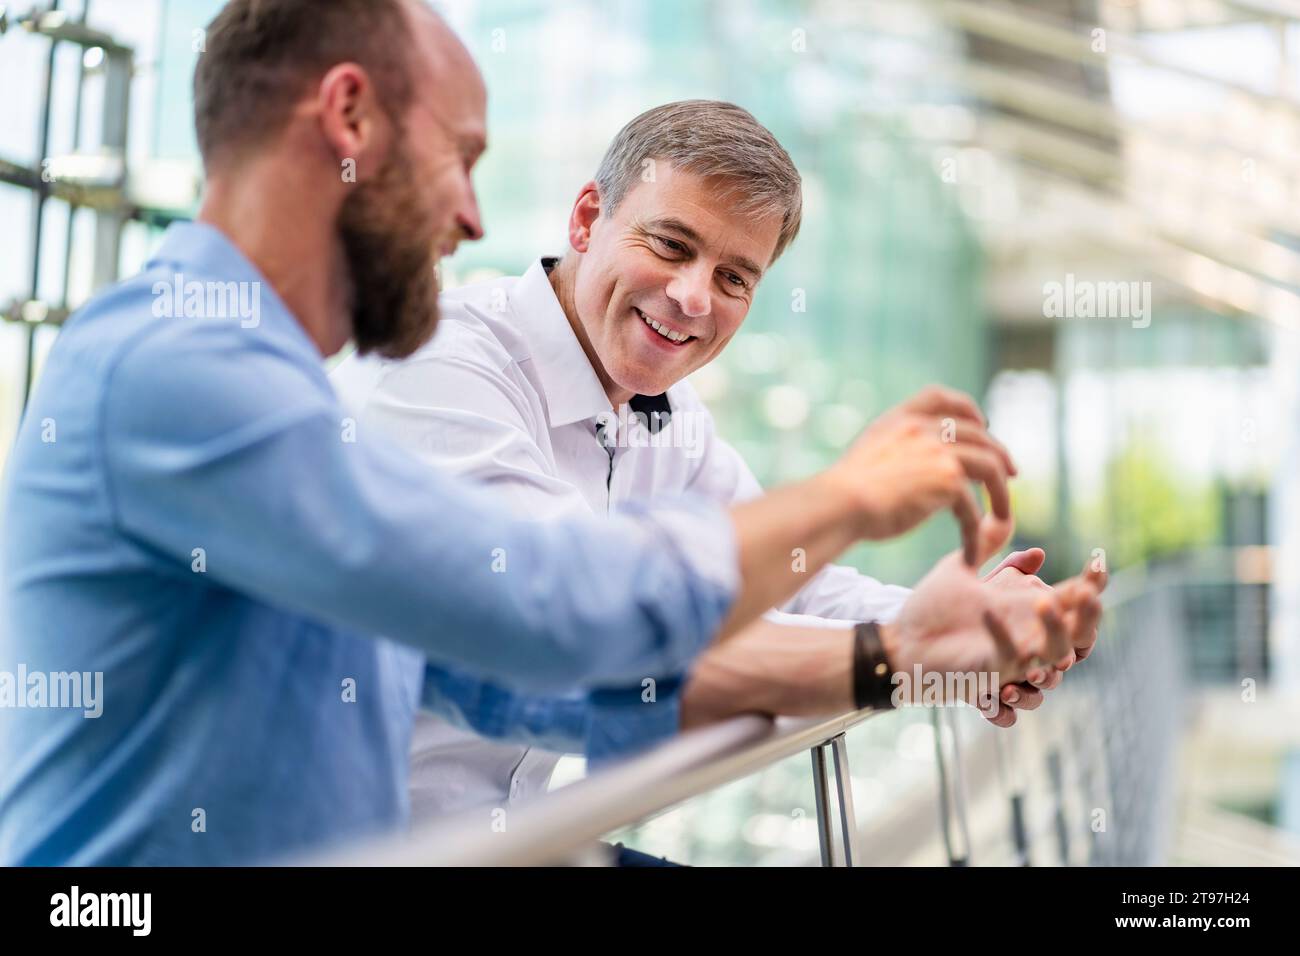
{"x": 605, "y": 725}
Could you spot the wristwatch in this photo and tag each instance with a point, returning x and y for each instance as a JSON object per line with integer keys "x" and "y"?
{"x": 872, "y": 686}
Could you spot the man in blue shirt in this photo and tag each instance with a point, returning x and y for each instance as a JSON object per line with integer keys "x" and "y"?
{"x": 189, "y": 519}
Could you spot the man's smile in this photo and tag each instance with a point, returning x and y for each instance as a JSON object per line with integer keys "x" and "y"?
{"x": 668, "y": 333}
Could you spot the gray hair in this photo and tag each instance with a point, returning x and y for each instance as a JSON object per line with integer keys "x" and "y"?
{"x": 713, "y": 139}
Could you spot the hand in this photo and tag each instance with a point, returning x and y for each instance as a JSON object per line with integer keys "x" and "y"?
{"x": 919, "y": 457}
{"x": 954, "y": 625}
{"x": 1080, "y": 600}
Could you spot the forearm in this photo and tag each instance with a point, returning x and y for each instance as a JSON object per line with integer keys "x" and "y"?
{"x": 784, "y": 537}
{"x": 772, "y": 669}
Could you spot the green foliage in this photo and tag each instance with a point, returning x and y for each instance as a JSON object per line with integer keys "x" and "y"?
{"x": 1148, "y": 509}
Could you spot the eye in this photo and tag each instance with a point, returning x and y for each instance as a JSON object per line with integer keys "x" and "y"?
{"x": 735, "y": 280}
{"x": 672, "y": 245}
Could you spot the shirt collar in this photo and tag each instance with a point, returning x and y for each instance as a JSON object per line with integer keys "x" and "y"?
{"x": 199, "y": 249}
{"x": 573, "y": 390}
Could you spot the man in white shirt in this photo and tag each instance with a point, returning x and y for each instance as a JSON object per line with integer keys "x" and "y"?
{"x": 564, "y": 391}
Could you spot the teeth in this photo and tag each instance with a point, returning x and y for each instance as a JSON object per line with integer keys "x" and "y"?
{"x": 663, "y": 330}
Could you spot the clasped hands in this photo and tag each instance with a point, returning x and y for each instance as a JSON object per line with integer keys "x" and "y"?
{"x": 922, "y": 456}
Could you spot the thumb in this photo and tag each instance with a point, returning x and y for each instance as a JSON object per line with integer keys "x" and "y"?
{"x": 1029, "y": 561}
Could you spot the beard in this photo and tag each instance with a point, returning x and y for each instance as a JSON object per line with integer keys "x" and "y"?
{"x": 389, "y": 235}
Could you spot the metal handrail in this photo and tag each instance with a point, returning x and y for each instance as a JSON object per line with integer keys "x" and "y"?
{"x": 568, "y": 819}
{"x": 565, "y": 824}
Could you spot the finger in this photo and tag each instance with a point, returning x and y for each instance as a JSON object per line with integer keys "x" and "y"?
{"x": 1004, "y": 453}
{"x": 1073, "y": 592}
{"x": 1085, "y": 631}
{"x": 1022, "y": 696}
{"x": 939, "y": 400}
{"x": 974, "y": 435}
{"x": 1058, "y": 639}
{"x": 1095, "y": 573}
{"x": 1081, "y": 604}
{"x": 984, "y": 466}
{"x": 1088, "y": 615}
{"x": 994, "y": 533}
{"x": 1044, "y": 678}
{"x": 1008, "y": 654}
{"x": 1029, "y": 561}
{"x": 968, "y": 517}
{"x": 1005, "y": 717}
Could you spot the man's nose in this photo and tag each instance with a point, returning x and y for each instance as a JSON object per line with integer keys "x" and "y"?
{"x": 690, "y": 288}
{"x": 468, "y": 221}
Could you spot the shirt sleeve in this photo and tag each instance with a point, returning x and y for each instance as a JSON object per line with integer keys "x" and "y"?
{"x": 219, "y": 444}
{"x": 605, "y": 724}
{"x": 458, "y": 415}
{"x": 836, "y": 592}
{"x": 461, "y": 417}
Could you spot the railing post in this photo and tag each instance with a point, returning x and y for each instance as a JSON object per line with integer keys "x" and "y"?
{"x": 1056, "y": 779}
{"x": 1004, "y": 745}
{"x": 844, "y": 799}
{"x": 952, "y": 805}
{"x": 844, "y": 791}
{"x": 821, "y": 792}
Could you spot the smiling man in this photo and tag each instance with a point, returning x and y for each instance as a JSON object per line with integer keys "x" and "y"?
{"x": 666, "y": 293}
{"x": 527, "y": 387}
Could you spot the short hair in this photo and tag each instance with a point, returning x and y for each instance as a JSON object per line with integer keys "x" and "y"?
{"x": 260, "y": 57}
{"x": 708, "y": 138}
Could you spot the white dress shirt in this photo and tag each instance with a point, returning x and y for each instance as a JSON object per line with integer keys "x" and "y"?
{"x": 504, "y": 394}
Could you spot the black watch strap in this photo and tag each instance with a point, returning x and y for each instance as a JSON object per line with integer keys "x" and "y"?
{"x": 872, "y": 686}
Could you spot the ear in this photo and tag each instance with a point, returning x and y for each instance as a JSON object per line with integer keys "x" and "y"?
{"x": 356, "y": 130}
{"x": 586, "y": 210}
